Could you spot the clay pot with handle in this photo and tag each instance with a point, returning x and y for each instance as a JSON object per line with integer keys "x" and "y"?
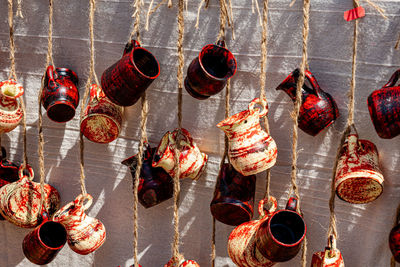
{"x": 11, "y": 111}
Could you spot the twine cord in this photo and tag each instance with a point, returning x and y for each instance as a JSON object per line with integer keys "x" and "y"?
{"x": 181, "y": 59}
{"x": 396, "y": 46}
{"x": 12, "y": 74}
{"x": 19, "y": 9}
{"x": 137, "y": 4}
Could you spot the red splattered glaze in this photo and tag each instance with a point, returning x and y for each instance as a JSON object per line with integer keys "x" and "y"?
{"x": 11, "y": 112}
{"x": 322, "y": 259}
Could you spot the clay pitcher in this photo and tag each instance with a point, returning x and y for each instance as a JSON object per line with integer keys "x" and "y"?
{"x": 251, "y": 149}
{"x": 11, "y": 112}
{"x": 20, "y": 201}
{"x": 358, "y": 176}
{"x": 384, "y": 108}
{"x": 85, "y": 234}
{"x": 318, "y": 109}
{"x": 181, "y": 263}
{"x": 192, "y": 162}
{"x": 155, "y": 185}
{"x": 233, "y": 199}
{"x": 102, "y": 119}
{"x": 331, "y": 257}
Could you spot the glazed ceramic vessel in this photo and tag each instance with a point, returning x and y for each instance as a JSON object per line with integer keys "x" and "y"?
{"x": 251, "y": 149}
{"x": 358, "y": 176}
{"x": 102, "y": 119}
{"x": 11, "y": 111}
{"x": 182, "y": 263}
{"x": 85, "y": 234}
{"x": 192, "y": 162}
{"x": 331, "y": 257}
{"x": 20, "y": 200}
{"x": 8, "y": 171}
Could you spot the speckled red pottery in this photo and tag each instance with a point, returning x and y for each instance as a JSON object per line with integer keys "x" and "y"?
{"x": 384, "y": 108}
{"x": 318, "y": 109}
{"x": 251, "y": 149}
{"x": 60, "y": 95}
{"x": 182, "y": 263}
{"x": 20, "y": 200}
{"x": 233, "y": 199}
{"x": 208, "y": 73}
{"x": 42, "y": 245}
{"x": 331, "y": 257}
{"x": 126, "y": 81}
{"x": 192, "y": 162}
{"x": 8, "y": 171}
{"x": 358, "y": 176}
{"x": 394, "y": 242}
{"x": 155, "y": 185}
{"x": 11, "y": 112}
{"x": 102, "y": 119}
{"x": 85, "y": 234}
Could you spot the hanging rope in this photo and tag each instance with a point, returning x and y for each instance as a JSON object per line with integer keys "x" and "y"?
{"x": 396, "y": 46}
{"x": 49, "y": 59}
{"x": 202, "y": 2}
{"x": 151, "y": 11}
{"x": 19, "y": 9}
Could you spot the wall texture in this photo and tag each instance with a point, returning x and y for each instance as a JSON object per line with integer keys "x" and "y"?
{"x": 363, "y": 229}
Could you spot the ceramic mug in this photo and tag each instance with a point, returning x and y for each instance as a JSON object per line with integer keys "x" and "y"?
{"x": 233, "y": 197}
{"x": 60, "y": 95}
{"x": 126, "y": 81}
{"x": 43, "y": 244}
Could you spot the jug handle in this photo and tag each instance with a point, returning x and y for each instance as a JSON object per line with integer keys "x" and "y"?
{"x": 393, "y": 80}
{"x": 221, "y": 43}
{"x": 51, "y": 83}
{"x": 310, "y": 77}
{"x": 262, "y": 102}
{"x": 292, "y": 204}
{"x": 81, "y": 199}
{"x": 22, "y": 169}
{"x": 270, "y": 204}
{"x": 131, "y": 46}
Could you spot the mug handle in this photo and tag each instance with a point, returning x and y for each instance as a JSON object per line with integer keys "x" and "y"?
{"x": 131, "y": 46}
{"x": 315, "y": 86}
{"x": 30, "y": 172}
{"x": 262, "y": 102}
{"x": 51, "y": 82}
{"x": 393, "y": 80}
{"x": 292, "y": 204}
{"x": 221, "y": 43}
{"x": 271, "y": 206}
{"x": 81, "y": 198}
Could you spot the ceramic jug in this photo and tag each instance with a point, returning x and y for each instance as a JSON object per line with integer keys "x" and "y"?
{"x": 155, "y": 184}
{"x": 20, "y": 200}
{"x": 181, "y": 263}
{"x": 102, "y": 119}
{"x": 8, "y": 171}
{"x": 208, "y": 73}
{"x": 60, "y": 95}
{"x": 251, "y": 149}
{"x": 331, "y": 257}
{"x": 276, "y": 237}
{"x": 358, "y": 176}
{"x": 126, "y": 81}
{"x": 318, "y": 109}
{"x": 85, "y": 234}
{"x": 192, "y": 162}
{"x": 11, "y": 112}
{"x": 233, "y": 199}
{"x": 384, "y": 108}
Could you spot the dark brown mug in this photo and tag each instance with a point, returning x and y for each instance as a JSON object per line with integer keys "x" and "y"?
{"x": 279, "y": 237}
{"x": 233, "y": 200}
{"x": 43, "y": 244}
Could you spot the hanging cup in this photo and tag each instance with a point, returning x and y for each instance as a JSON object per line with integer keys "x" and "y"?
{"x": 126, "y": 81}
{"x": 384, "y": 108}
{"x": 42, "y": 245}
{"x": 331, "y": 257}
{"x": 11, "y": 112}
{"x": 358, "y": 176}
{"x": 60, "y": 95}
{"x": 102, "y": 119}
{"x": 233, "y": 197}
{"x": 208, "y": 73}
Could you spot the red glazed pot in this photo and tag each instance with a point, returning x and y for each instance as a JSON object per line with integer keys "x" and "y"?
{"x": 384, "y": 108}
{"x": 208, "y": 73}
{"x": 233, "y": 197}
{"x": 20, "y": 200}
{"x": 331, "y": 257}
{"x": 155, "y": 185}
{"x": 8, "y": 171}
{"x": 102, "y": 119}
{"x": 85, "y": 233}
{"x": 394, "y": 242}
{"x": 126, "y": 81}
{"x": 318, "y": 109}
{"x": 181, "y": 263}
{"x": 42, "y": 245}
{"x": 11, "y": 112}
{"x": 251, "y": 149}
{"x": 358, "y": 176}
{"x": 60, "y": 95}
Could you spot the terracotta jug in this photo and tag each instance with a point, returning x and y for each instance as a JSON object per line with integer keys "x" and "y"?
{"x": 318, "y": 109}
{"x": 331, "y": 257}
{"x": 358, "y": 176}
{"x": 85, "y": 234}
{"x": 20, "y": 201}
{"x": 155, "y": 184}
{"x": 181, "y": 263}
{"x": 384, "y": 108}
{"x": 11, "y": 112}
{"x": 251, "y": 149}
{"x": 192, "y": 162}
{"x": 102, "y": 119}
